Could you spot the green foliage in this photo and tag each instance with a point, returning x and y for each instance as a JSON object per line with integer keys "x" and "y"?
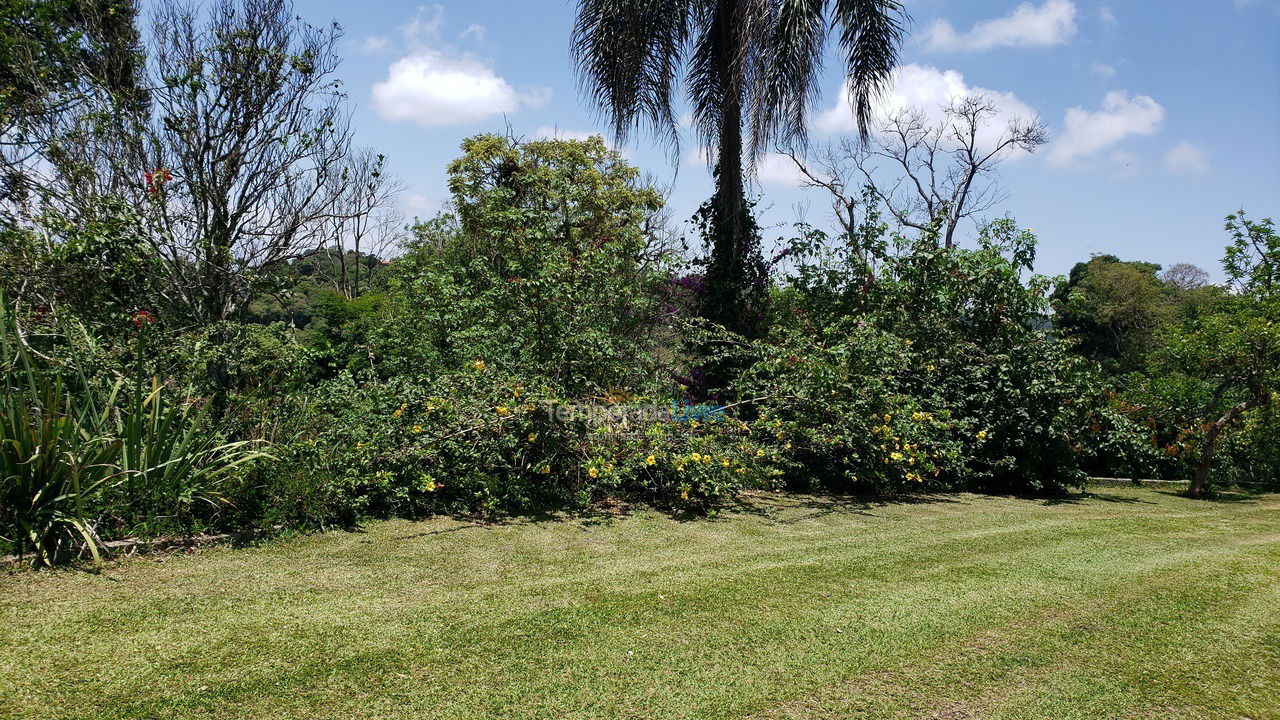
{"x": 80, "y": 458}
{"x": 543, "y": 291}
{"x": 900, "y": 364}
{"x": 1212, "y": 379}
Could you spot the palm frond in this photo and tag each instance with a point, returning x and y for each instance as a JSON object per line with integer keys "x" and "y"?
{"x": 628, "y": 54}
{"x": 791, "y": 61}
{"x": 870, "y": 33}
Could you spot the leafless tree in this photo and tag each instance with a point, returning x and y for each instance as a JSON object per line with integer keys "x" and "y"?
{"x": 942, "y": 169}
{"x": 1185, "y": 276}
{"x": 232, "y": 165}
{"x": 248, "y": 133}
{"x": 363, "y": 222}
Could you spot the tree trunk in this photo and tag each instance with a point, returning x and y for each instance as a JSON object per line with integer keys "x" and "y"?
{"x": 1211, "y": 438}
{"x": 725, "y": 270}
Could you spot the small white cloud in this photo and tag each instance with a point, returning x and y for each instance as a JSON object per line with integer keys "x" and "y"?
{"x": 425, "y": 25}
{"x": 1052, "y": 23}
{"x": 1107, "y": 17}
{"x": 436, "y": 84}
{"x": 416, "y": 205}
{"x": 701, "y": 155}
{"x": 429, "y": 88}
{"x": 550, "y": 132}
{"x": 927, "y": 89}
{"x": 1186, "y": 159}
{"x": 475, "y": 33}
{"x": 771, "y": 169}
{"x": 1104, "y": 70}
{"x": 1088, "y": 132}
{"x": 778, "y": 169}
{"x": 374, "y": 44}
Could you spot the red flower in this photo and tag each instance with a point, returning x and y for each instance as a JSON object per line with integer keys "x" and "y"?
{"x": 142, "y": 317}
{"x": 156, "y": 179}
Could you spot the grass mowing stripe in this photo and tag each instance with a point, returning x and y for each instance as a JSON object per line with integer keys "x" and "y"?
{"x": 1077, "y": 659}
{"x": 537, "y": 619}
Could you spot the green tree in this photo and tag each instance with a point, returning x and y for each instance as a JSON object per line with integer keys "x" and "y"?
{"x": 1114, "y": 309}
{"x": 56, "y": 56}
{"x": 1233, "y": 350}
{"x": 749, "y": 66}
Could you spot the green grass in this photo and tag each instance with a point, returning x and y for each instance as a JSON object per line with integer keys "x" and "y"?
{"x": 1132, "y": 603}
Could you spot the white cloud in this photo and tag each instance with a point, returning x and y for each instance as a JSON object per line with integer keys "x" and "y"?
{"x": 429, "y": 88}
{"x": 771, "y": 169}
{"x": 1107, "y": 16}
{"x": 701, "y": 155}
{"x": 1102, "y": 69}
{"x": 548, "y": 132}
{"x": 1088, "y": 132}
{"x": 1186, "y": 159}
{"x": 416, "y": 205}
{"x": 425, "y": 24}
{"x": 927, "y": 89}
{"x": 435, "y": 84}
{"x": 778, "y": 169}
{"x": 374, "y": 44}
{"x": 474, "y": 32}
{"x": 1053, "y": 23}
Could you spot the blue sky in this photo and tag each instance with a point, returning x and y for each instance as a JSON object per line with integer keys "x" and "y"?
{"x": 1164, "y": 116}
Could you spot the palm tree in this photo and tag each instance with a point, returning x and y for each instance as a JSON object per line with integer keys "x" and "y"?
{"x": 749, "y": 67}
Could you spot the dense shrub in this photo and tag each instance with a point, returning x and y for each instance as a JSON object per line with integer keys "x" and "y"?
{"x": 537, "y": 346}
{"x": 82, "y": 460}
{"x": 896, "y": 363}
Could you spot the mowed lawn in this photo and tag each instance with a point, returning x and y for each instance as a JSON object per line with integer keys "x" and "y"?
{"x": 1130, "y": 603}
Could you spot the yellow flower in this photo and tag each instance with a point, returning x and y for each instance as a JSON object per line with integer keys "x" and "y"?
{"x": 788, "y": 446}
{"x": 684, "y": 494}
{"x": 725, "y": 462}
{"x": 706, "y": 459}
{"x": 895, "y": 456}
{"x": 417, "y": 428}
{"x": 982, "y": 435}
{"x": 760, "y": 453}
{"x": 593, "y": 472}
{"x": 651, "y": 461}
{"x": 608, "y": 468}
{"x": 779, "y": 434}
{"x": 479, "y": 365}
{"x": 430, "y": 486}
{"x": 546, "y": 469}
{"x": 679, "y": 467}
{"x": 930, "y": 368}
{"x": 888, "y": 419}
{"x": 696, "y": 457}
{"x": 533, "y": 437}
{"x": 693, "y": 424}
{"x": 502, "y": 410}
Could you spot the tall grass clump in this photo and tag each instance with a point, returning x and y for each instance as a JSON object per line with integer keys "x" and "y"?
{"x": 82, "y": 459}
